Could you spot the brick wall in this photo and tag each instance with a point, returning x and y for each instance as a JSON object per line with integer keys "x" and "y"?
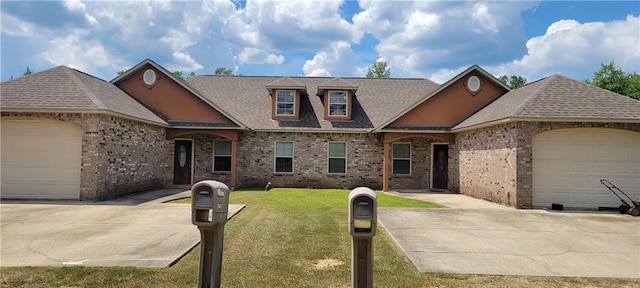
{"x": 487, "y": 163}
{"x": 495, "y": 163}
{"x": 203, "y": 161}
{"x": 132, "y": 157}
{"x": 119, "y": 156}
{"x": 420, "y": 166}
{"x": 256, "y": 160}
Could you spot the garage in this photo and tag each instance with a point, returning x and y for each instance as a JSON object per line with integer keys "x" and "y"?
{"x": 568, "y": 164}
{"x": 40, "y": 159}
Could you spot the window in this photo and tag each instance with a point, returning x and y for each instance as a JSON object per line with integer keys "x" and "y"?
{"x": 285, "y": 102}
{"x": 338, "y": 158}
{"x": 337, "y": 103}
{"x": 402, "y": 158}
{"x": 221, "y": 156}
{"x": 284, "y": 157}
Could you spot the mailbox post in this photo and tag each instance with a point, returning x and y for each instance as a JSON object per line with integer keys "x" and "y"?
{"x": 363, "y": 214}
{"x": 209, "y": 207}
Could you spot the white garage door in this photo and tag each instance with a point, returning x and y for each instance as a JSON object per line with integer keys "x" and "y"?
{"x": 568, "y": 164}
{"x": 40, "y": 159}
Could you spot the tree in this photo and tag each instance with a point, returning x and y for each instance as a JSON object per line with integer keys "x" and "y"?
{"x": 379, "y": 70}
{"x": 178, "y": 73}
{"x": 120, "y": 72}
{"x": 223, "y": 71}
{"x": 27, "y": 72}
{"x": 612, "y": 78}
{"x": 514, "y": 81}
{"x": 191, "y": 75}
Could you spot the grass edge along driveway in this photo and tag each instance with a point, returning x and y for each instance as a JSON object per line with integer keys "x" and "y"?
{"x": 288, "y": 238}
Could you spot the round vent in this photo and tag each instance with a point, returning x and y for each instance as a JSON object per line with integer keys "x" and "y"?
{"x": 149, "y": 77}
{"x": 473, "y": 84}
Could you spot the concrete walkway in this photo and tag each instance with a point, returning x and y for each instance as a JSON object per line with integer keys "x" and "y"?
{"x": 139, "y": 230}
{"x": 477, "y": 237}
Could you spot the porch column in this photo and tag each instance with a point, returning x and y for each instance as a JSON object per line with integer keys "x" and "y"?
{"x": 385, "y": 167}
{"x": 234, "y": 164}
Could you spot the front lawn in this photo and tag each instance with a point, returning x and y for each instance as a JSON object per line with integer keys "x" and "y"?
{"x": 287, "y": 238}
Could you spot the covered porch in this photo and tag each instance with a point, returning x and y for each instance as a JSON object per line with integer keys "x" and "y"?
{"x": 201, "y": 154}
{"x": 419, "y": 161}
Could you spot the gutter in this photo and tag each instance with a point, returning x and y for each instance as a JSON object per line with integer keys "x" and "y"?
{"x": 84, "y": 111}
{"x": 538, "y": 119}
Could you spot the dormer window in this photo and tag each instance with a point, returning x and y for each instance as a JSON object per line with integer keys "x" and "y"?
{"x": 337, "y": 97}
{"x": 285, "y": 98}
{"x": 285, "y": 102}
{"x": 338, "y": 104}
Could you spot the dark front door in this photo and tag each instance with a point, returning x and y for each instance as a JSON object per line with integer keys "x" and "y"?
{"x": 440, "y": 166}
{"x": 182, "y": 162}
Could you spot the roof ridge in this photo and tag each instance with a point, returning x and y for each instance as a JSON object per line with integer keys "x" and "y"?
{"x": 296, "y": 77}
{"x": 70, "y": 72}
{"x": 545, "y": 84}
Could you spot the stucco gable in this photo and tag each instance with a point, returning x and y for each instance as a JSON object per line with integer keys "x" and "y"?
{"x": 172, "y": 98}
{"x": 450, "y": 104}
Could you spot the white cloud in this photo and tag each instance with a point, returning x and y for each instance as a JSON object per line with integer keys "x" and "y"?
{"x": 572, "y": 48}
{"x": 562, "y": 25}
{"x": 77, "y": 52}
{"x": 289, "y": 25}
{"x": 13, "y": 26}
{"x": 483, "y": 16}
{"x": 177, "y": 40}
{"x": 337, "y": 59}
{"x": 75, "y": 5}
{"x": 259, "y": 56}
{"x": 186, "y": 61}
{"x": 420, "y": 37}
{"x": 78, "y": 6}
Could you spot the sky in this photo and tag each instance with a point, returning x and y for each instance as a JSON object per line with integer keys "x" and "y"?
{"x": 418, "y": 39}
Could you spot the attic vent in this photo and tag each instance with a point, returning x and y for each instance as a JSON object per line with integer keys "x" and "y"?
{"x": 473, "y": 84}
{"x": 149, "y": 77}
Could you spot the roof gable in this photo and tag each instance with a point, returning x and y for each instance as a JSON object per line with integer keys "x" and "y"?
{"x": 557, "y": 98}
{"x": 450, "y": 104}
{"x": 286, "y": 83}
{"x": 173, "y": 99}
{"x": 63, "y": 89}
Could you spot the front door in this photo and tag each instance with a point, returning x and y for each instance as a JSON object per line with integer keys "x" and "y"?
{"x": 440, "y": 166}
{"x": 182, "y": 162}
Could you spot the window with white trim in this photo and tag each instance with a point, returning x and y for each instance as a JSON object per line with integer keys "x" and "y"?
{"x": 285, "y": 102}
{"x": 221, "y": 156}
{"x": 284, "y": 157}
{"x": 402, "y": 158}
{"x": 337, "y": 157}
{"x": 337, "y": 103}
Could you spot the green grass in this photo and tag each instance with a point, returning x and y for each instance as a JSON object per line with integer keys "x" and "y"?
{"x": 278, "y": 240}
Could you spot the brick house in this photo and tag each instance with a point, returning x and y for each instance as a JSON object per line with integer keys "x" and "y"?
{"x": 69, "y": 135}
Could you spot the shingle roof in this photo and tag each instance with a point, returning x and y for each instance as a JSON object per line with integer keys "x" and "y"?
{"x": 376, "y": 100}
{"x": 337, "y": 82}
{"x": 557, "y": 98}
{"x": 65, "y": 89}
{"x": 285, "y": 82}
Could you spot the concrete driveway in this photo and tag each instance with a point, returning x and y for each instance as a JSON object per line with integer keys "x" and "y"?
{"x": 478, "y": 237}
{"x": 134, "y": 231}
